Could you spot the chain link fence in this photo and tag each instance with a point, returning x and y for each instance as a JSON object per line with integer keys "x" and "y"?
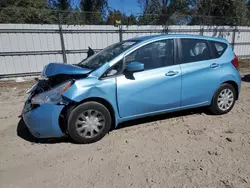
{"x": 64, "y": 36}
{"x": 46, "y": 15}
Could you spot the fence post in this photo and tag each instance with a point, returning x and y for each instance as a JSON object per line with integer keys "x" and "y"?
{"x": 62, "y": 39}
{"x": 165, "y": 29}
{"x": 120, "y": 33}
{"x": 202, "y": 31}
{"x": 233, "y": 38}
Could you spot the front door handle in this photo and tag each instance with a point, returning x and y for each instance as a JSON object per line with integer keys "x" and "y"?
{"x": 172, "y": 73}
{"x": 214, "y": 65}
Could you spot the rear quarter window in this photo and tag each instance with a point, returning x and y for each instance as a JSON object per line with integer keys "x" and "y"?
{"x": 220, "y": 48}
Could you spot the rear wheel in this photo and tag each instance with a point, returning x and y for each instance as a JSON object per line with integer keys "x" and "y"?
{"x": 223, "y": 99}
{"x": 89, "y": 122}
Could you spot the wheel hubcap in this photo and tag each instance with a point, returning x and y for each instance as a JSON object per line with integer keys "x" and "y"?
{"x": 225, "y": 99}
{"x": 90, "y": 123}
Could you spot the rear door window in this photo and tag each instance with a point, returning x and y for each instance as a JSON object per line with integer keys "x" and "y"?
{"x": 195, "y": 50}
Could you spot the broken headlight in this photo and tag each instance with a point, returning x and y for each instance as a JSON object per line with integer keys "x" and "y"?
{"x": 53, "y": 96}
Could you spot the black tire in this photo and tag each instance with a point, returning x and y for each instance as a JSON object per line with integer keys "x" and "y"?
{"x": 214, "y": 107}
{"x": 76, "y": 112}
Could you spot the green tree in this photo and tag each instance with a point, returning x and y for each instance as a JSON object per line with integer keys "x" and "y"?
{"x": 94, "y": 10}
{"x": 162, "y": 11}
{"x": 117, "y": 15}
{"x": 60, "y": 4}
{"x": 65, "y": 14}
{"x": 217, "y": 12}
{"x": 26, "y": 11}
{"x": 248, "y": 7}
{"x": 129, "y": 20}
{"x": 113, "y": 16}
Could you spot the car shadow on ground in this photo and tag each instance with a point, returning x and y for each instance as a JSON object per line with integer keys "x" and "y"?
{"x": 24, "y": 133}
{"x": 164, "y": 116}
{"x": 246, "y": 78}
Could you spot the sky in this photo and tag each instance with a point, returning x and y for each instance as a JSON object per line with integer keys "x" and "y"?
{"x": 126, "y": 6}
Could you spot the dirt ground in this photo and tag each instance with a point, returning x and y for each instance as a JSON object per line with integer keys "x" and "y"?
{"x": 185, "y": 149}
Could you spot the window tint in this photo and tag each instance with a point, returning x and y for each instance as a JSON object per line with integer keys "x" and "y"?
{"x": 154, "y": 55}
{"x": 220, "y": 48}
{"x": 195, "y": 50}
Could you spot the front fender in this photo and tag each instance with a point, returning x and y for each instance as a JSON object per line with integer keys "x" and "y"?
{"x": 91, "y": 87}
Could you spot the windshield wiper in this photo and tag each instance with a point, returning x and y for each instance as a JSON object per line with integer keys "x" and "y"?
{"x": 83, "y": 66}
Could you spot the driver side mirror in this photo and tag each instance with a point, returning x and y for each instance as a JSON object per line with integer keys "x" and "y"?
{"x": 90, "y": 52}
{"x": 135, "y": 66}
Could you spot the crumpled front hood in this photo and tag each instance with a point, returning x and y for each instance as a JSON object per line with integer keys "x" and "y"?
{"x": 53, "y": 69}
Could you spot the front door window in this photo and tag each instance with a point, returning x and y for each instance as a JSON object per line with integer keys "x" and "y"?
{"x": 154, "y": 55}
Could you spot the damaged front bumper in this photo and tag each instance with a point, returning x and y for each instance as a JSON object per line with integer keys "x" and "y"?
{"x": 43, "y": 108}
{"x": 43, "y": 121}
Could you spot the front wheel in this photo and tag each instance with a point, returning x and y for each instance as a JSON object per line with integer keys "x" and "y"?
{"x": 223, "y": 99}
{"x": 89, "y": 122}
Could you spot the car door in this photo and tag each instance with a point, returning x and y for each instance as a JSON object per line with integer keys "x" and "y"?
{"x": 200, "y": 72}
{"x": 157, "y": 87}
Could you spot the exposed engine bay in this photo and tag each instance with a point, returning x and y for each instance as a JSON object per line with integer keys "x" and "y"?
{"x": 48, "y": 83}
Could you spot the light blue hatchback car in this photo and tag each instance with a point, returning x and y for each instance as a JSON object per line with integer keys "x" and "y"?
{"x": 135, "y": 78}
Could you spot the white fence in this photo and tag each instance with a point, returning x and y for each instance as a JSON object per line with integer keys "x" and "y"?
{"x": 25, "y": 49}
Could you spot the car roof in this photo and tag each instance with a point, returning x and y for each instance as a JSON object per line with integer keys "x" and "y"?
{"x": 164, "y": 36}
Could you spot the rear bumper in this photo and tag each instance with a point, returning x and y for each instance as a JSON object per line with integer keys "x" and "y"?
{"x": 43, "y": 121}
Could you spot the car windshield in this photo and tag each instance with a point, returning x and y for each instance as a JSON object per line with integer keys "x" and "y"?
{"x": 106, "y": 54}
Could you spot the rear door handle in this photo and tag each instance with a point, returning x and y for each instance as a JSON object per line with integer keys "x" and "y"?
{"x": 172, "y": 73}
{"x": 214, "y": 65}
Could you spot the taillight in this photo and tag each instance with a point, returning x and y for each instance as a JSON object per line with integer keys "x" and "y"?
{"x": 235, "y": 61}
